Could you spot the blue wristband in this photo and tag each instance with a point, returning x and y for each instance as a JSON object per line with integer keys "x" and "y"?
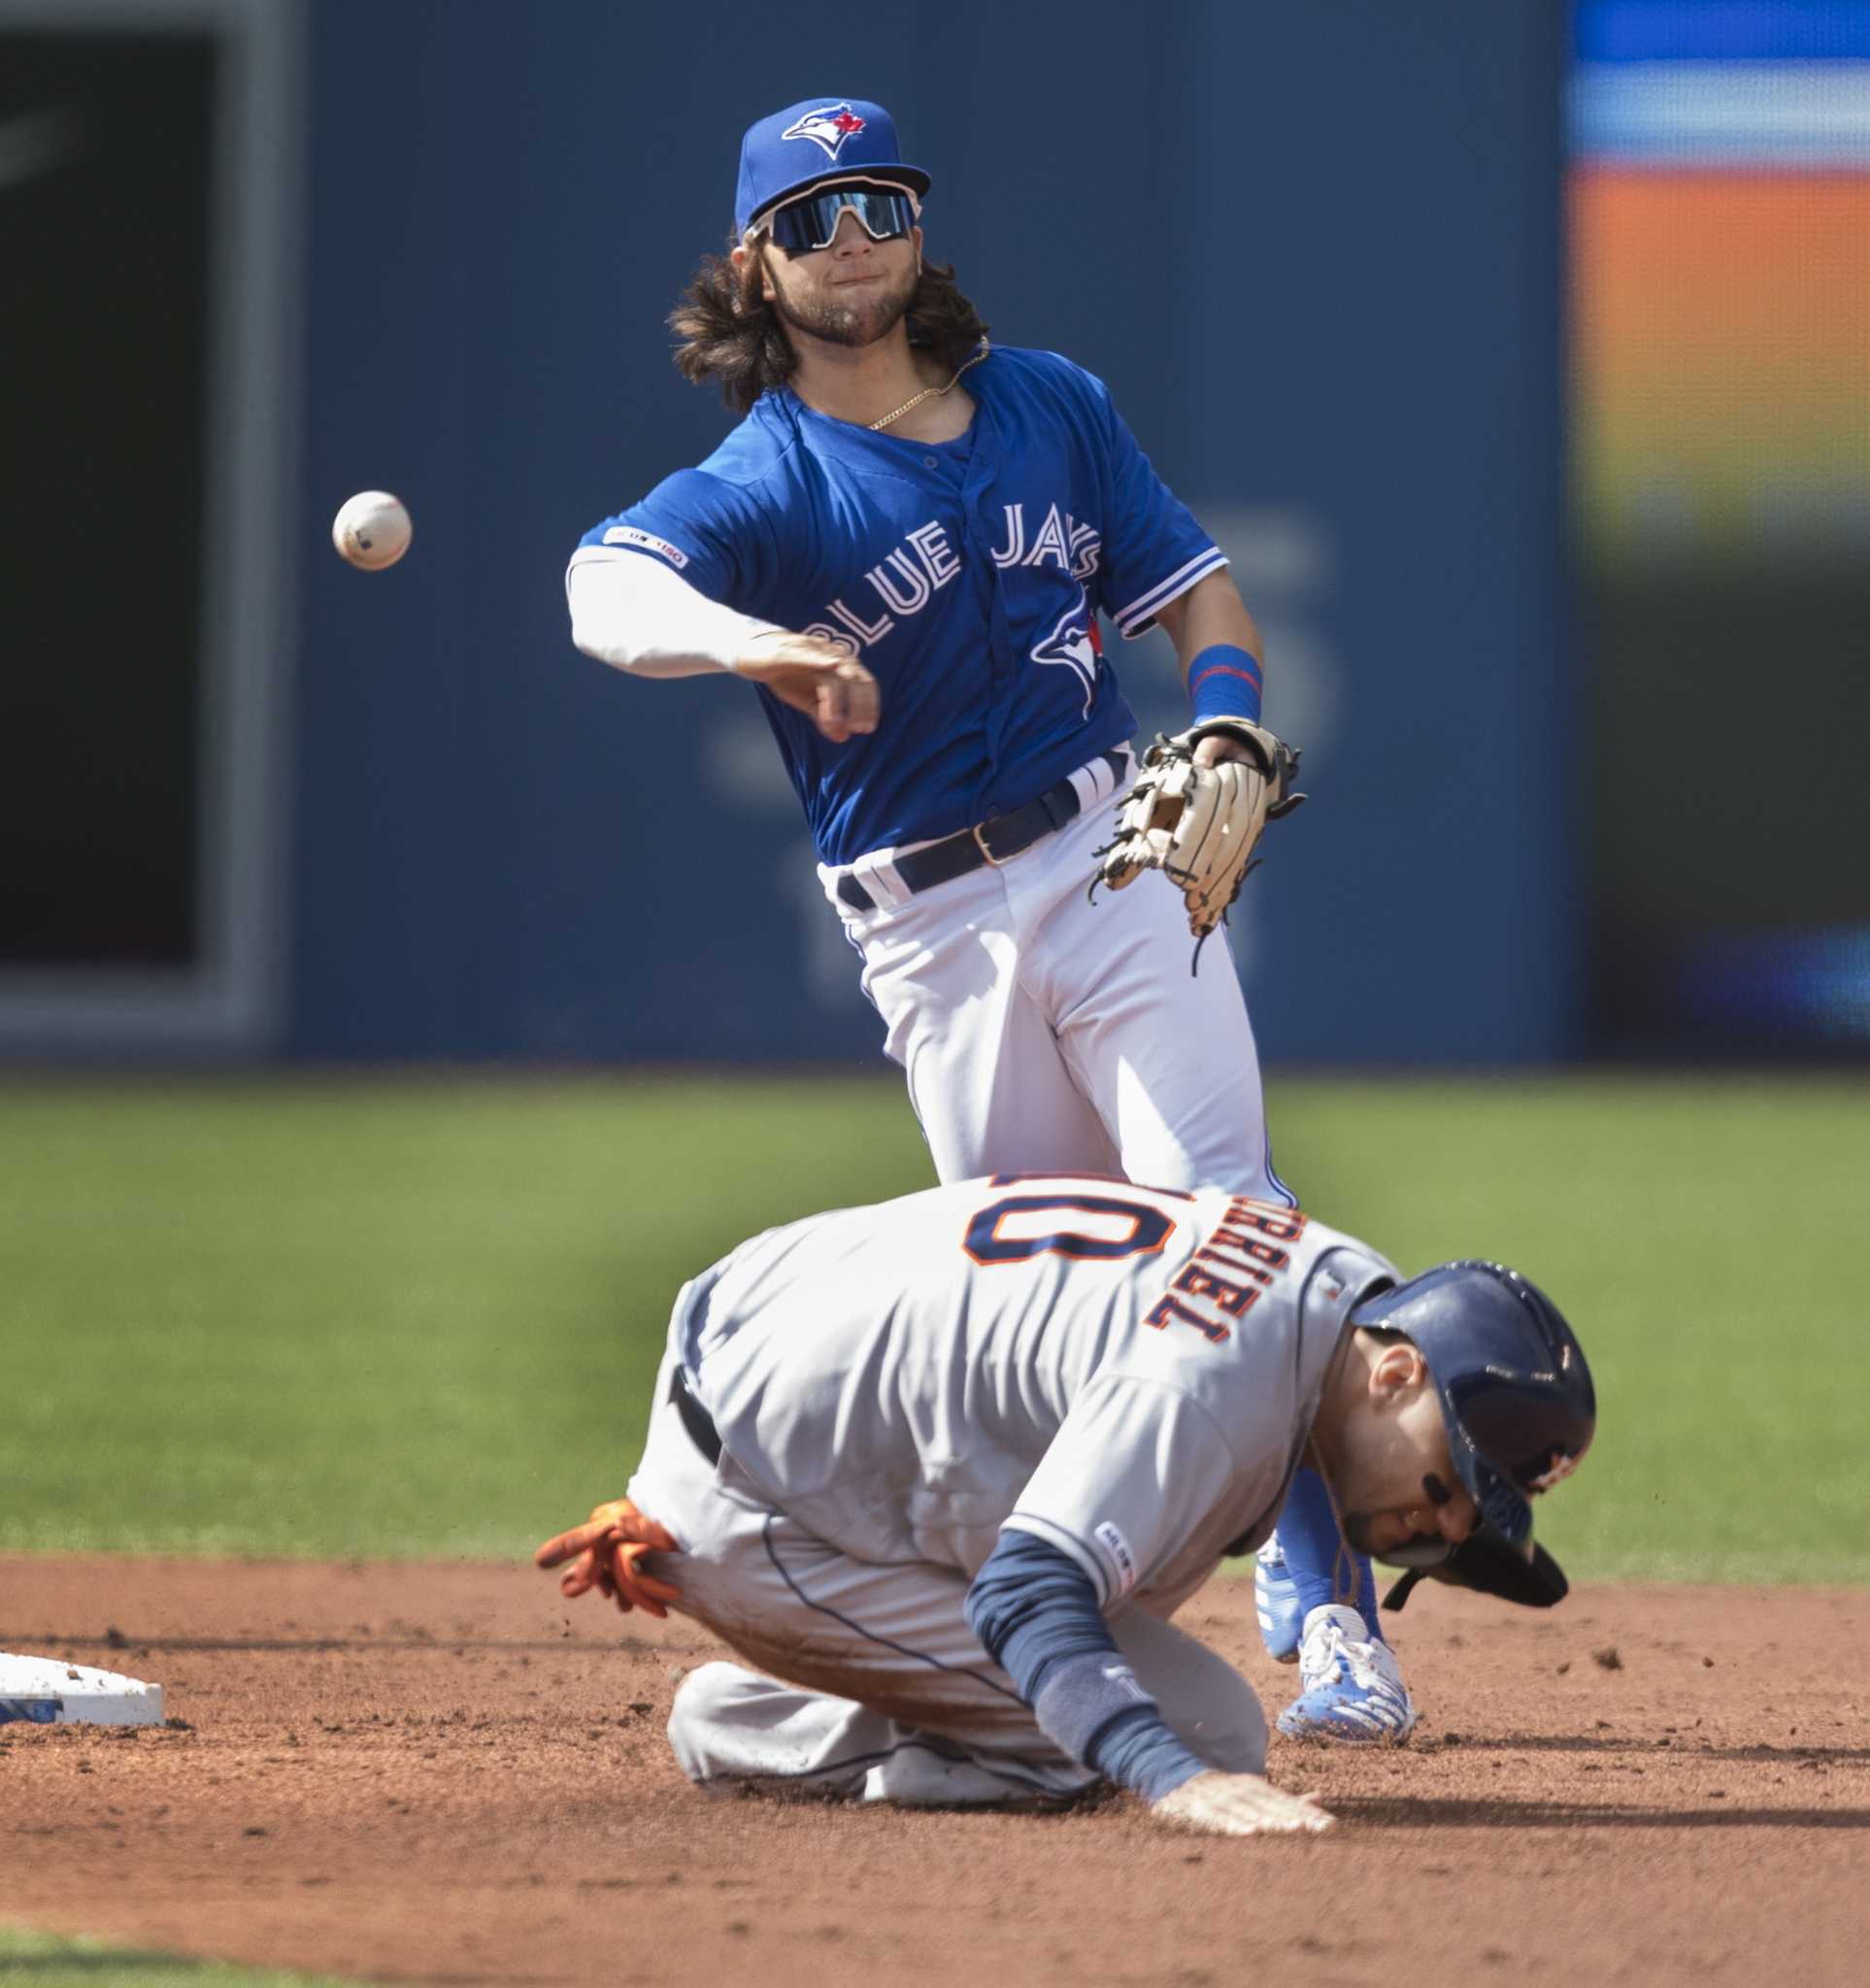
{"x": 1224, "y": 682}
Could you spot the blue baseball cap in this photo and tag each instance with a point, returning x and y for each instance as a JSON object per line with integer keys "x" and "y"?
{"x": 823, "y": 138}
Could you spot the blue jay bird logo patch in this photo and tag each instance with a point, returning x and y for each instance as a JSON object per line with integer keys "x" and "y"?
{"x": 828, "y": 128}
{"x": 1073, "y": 642}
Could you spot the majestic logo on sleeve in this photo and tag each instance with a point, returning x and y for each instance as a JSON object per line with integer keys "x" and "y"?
{"x": 828, "y": 128}
{"x": 1073, "y": 642}
{"x": 1111, "y": 1538}
{"x": 645, "y": 541}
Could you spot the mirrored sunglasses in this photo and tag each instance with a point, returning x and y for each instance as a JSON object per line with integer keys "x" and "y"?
{"x": 811, "y": 220}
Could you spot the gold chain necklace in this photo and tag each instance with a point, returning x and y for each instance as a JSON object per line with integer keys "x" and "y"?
{"x": 927, "y": 391}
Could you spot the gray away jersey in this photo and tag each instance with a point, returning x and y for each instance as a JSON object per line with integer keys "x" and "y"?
{"x": 1127, "y": 1372}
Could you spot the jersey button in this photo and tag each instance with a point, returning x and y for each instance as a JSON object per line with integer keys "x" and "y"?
{"x": 931, "y": 462}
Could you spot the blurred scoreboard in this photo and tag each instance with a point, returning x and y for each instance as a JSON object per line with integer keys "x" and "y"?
{"x": 1719, "y": 337}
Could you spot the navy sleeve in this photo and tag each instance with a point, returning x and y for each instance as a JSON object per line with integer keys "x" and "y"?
{"x": 1037, "y": 1617}
{"x": 694, "y": 522}
{"x": 1031, "y": 1607}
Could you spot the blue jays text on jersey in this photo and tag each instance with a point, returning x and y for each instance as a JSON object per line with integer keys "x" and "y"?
{"x": 966, "y": 574}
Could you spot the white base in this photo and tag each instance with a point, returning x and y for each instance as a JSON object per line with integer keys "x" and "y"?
{"x": 42, "y": 1691}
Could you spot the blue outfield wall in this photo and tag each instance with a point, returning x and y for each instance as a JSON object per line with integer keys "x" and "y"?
{"x": 1315, "y": 250}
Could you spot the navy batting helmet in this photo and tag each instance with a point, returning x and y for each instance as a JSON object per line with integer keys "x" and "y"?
{"x": 1516, "y": 1393}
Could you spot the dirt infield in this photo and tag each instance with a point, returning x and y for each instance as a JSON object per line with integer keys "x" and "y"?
{"x": 446, "y": 1774}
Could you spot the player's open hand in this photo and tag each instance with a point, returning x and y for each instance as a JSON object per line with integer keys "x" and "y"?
{"x": 819, "y": 678}
{"x": 604, "y": 1554}
{"x": 1239, "y": 1806}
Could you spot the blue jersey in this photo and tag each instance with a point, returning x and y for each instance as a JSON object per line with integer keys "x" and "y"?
{"x": 964, "y": 573}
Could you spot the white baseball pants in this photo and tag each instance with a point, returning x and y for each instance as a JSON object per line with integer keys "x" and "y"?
{"x": 877, "y": 1687}
{"x": 1045, "y": 1033}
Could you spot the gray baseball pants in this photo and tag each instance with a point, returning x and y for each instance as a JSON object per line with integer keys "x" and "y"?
{"x": 874, "y": 1686}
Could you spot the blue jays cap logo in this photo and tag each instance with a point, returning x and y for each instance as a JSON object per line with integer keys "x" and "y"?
{"x": 817, "y": 139}
{"x": 829, "y": 128}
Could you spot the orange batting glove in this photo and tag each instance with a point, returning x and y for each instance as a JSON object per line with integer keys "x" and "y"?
{"x": 604, "y": 1552}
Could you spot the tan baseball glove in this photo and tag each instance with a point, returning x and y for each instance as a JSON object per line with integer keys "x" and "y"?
{"x": 1198, "y": 825}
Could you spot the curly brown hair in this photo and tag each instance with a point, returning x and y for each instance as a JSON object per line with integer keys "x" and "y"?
{"x": 730, "y": 333}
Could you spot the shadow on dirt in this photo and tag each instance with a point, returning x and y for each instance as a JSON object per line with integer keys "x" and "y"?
{"x": 1422, "y": 1812}
{"x": 1684, "y": 1743}
{"x": 363, "y": 1640}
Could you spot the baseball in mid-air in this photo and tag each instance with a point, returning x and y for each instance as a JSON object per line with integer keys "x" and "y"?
{"x": 371, "y": 530}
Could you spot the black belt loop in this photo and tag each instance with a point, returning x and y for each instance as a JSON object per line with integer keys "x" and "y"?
{"x": 696, "y": 1419}
{"x": 997, "y": 840}
{"x": 1055, "y": 807}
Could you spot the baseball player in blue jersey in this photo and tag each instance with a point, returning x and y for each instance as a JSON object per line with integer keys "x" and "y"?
{"x": 905, "y": 545}
{"x": 943, "y": 1470}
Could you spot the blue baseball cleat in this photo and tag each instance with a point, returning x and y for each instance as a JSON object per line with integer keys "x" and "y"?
{"x": 1276, "y": 1601}
{"x": 1352, "y": 1688}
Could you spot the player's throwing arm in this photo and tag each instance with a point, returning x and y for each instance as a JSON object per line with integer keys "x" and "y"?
{"x": 816, "y": 676}
{"x": 631, "y": 614}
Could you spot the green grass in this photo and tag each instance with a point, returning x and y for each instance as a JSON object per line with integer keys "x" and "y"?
{"x": 47, "y": 1960}
{"x": 400, "y": 1316}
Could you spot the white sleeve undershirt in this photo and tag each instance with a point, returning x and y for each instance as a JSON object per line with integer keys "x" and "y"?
{"x": 629, "y": 610}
